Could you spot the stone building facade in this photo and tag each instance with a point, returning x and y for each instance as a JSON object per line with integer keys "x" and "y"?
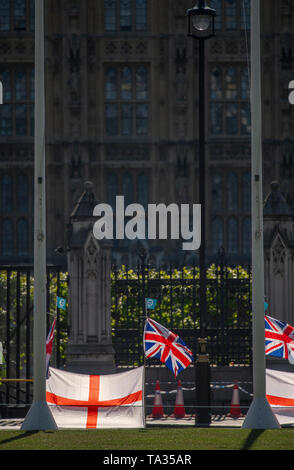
{"x": 122, "y": 112}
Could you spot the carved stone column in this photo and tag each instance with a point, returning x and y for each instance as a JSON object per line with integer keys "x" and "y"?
{"x": 279, "y": 255}
{"x": 89, "y": 262}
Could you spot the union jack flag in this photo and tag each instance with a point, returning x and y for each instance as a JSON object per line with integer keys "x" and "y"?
{"x": 49, "y": 346}
{"x": 279, "y": 339}
{"x": 161, "y": 343}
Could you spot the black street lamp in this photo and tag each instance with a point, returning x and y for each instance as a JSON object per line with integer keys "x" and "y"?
{"x": 201, "y": 27}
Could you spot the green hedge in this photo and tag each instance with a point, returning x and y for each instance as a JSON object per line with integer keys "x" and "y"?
{"x": 176, "y": 300}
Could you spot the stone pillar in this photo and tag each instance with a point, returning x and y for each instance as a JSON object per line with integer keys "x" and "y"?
{"x": 279, "y": 255}
{"x": 89, "y": 263}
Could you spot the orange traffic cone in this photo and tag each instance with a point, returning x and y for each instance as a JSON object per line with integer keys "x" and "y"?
{"x": 157, "y": 411}
{"x": 235, "y": 411}
{"x": 179, "y": 410}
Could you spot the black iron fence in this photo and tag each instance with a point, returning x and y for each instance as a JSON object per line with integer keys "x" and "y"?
{"x": 228, "y": 319}
{"x": 16, "y": 327}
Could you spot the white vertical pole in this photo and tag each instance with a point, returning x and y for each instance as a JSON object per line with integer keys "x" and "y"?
{"x": 39, "y": 416}
{"x": 260, "y": 414}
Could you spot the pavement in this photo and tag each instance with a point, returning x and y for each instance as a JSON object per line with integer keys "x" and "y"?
{"x": 221, "y": 421}
{"x": 10, "y": 424}
{"x": 216, "y": 421}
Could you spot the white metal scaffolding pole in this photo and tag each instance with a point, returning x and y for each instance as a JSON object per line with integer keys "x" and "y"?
{"x": 260, "y": 414}
{"x": 39, "y": 416}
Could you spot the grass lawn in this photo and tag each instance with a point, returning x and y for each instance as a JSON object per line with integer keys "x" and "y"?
{"x": 151, "y": 438}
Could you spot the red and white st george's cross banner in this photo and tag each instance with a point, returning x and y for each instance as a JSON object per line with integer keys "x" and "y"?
{"x": 96, "y": 401}
{"x": 280, "y": 394}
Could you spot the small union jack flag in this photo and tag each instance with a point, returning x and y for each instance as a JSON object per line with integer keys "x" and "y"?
{"x": 166, "y": 346}
{"x": 49, "y": 346}
{"x": 279, "y": 339}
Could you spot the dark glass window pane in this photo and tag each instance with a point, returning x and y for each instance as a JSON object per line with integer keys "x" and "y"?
{"x": 141, "y": 15}
{"x": 232, "y": 235}
{"x": 6, "y": 194}
{"x": 111, "y": 119}
{"x": 5, "y": 120}
{"x": 32, "y": 120}
{"x": 5, "y": 77}
{"x": 232, "y": 192}
{"x": 216, "y": 84}
{"x": 231, "y": 83}
{"x": 125, "y": 15}
{"x": 217, "y": 193}
{"x": 246, "y": 190}
{"x": 112, "y": 189}
{"x": 245, "y": 94}
{"x": 22, "y": 193}
{"x": 32, "y": 85}
{"x": 20, "y": 85}
{"x": 142, "y": 119}
{"x": 111, "y": 84}
{"x": 110, "y": 7}
{"x": 4, "y": 15}
{"x": 231, "y": 119}
{"x": 217, "y": 234}
{"x": 217, "y": 6}
{"x": 245, "y": 118}
{"x": 126, "y": 84}
{"x": 245, "y": 14}
{"x": 127, "y": 119}
{"x": 231, "y": 15}
{"x": 216, "y": 113}
{"x": 141, "y": 83}
{"x": 143, "y": 190}
{"x": 21, "y": 119}
{"x": 32, "y": 15}
{"x": 246, "y": 241}
{"x": 7, "y": 238}
{"x": 20, "y": 15}
{"x": 128, "y": 189}
{"x": 22, "y": 238}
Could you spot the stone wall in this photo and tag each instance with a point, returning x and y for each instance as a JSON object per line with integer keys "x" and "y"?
{"x": 279, "y": 255}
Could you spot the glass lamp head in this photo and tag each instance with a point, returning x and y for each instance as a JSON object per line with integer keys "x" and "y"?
{"x": 201, "y": 20}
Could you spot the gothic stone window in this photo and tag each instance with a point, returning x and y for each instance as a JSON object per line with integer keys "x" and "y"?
{"x": 231, "y": 15}
{"x": 17, "y": 110}
{"x": 16, "y": 216}
{"x": 133, "y": 186}
{"x": 230, "y": 209}
{"x": 126, "y": 101}
{"x": 229, "y": 101}
{"x": 125, "y": 15}
{"x": 17, "y": 15}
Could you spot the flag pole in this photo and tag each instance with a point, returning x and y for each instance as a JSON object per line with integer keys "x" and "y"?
{"x": 39, "y": 416}
{"x": 260, "y": 414}
{"x": 144, "y": 324}
{"x": 144, "y": 374}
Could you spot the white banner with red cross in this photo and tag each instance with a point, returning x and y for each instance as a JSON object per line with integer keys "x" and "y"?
{"x": 96, "y": 401}
{"x": 280, "y": 394}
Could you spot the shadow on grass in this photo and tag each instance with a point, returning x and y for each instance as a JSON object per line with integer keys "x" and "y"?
{"x": 19, "y": 436}
{"x": 253, "y": 436}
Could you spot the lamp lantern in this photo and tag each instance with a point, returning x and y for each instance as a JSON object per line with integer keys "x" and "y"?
{"x": 201, "y": 21}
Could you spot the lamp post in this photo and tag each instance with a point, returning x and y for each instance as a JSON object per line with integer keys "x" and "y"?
{"x": 201, "y": 27}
